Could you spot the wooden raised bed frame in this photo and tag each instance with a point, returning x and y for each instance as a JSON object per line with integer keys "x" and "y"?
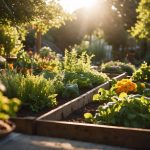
{"x": 27, "y": 124}
{"x": 49, "y": 125}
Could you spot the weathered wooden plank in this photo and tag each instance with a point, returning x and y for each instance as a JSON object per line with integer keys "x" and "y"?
{"x": 24, "y": 125}
{"x": 110, "y": 135}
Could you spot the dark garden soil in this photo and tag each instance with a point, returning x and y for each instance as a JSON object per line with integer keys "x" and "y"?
{"x": 78, "y": 115}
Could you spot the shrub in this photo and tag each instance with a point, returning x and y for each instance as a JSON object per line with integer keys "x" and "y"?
{"x": 71, "y": 91}
{"x": 74, "y": 63}
{"x": 77, "y": 69}
{"x": 9, "y": 40}
{"x": 34, "y": 91}
{"x": 8, "y": 107}
{"x": 24, "y": 60}
{"x": 142, "y": 74}
{"x": 46, "y": 51}
{"x": 118, "y": 67}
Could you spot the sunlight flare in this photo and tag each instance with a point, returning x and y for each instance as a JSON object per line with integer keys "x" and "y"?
{"x": 72, "y": 5}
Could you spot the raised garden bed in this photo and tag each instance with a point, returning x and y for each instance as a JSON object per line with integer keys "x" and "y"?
{"x": 27, "y": 124}
{"x": 50, "y": 124}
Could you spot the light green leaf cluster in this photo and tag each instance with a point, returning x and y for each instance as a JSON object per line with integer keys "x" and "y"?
{"x": 141, "y": 29}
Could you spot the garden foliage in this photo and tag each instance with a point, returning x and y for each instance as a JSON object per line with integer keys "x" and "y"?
{"x": 34, "y": 91}
{"x": 127, "y": 103}
{"x": 142, "y": 74}
{"x": 37, "y": 81}
{"x": 117, "y": 67}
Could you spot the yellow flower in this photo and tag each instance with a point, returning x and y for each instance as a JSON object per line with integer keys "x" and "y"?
{"x": 142, "y": 85}
{"x": 125, "y": 85}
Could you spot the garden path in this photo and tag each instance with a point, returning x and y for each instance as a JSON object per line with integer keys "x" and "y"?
{"x": 17, "y": 141}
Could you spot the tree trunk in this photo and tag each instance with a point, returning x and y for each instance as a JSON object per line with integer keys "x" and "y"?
{"x": 38, "y": 41}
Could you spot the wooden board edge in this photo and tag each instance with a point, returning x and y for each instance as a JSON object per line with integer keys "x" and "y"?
{"x": 102, "y": 134}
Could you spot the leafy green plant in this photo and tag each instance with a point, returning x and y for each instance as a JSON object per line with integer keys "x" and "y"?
{"x": 142, "y": 74}
{"x": 117, "y": 67}
{"x": 24, "y": 60}
{"x": 104, "y": 95}
{"x": 123, "y": 110}
{"x": 8, "y": 107}
{"x": 36, "y": 92}
{"x": 46, "y": 51}
{"x": 9, "y": 40}
{"x": 129, "y": 111}
{"x": 89, "y": 118}
{"x": 77, "y": 69}
{"x": 73, "y": 62}
{"x": 71, "y": 91}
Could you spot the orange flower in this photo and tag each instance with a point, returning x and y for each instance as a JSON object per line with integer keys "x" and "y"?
{"x": 125, "y": 85}
{"x": 11, "y": 66}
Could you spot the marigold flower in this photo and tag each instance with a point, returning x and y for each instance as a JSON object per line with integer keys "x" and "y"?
{"x": 125, "y": 85}
{"x": 11, "y": 66}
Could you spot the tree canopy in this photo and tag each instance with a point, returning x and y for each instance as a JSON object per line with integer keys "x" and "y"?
{"x": 141, "y": 29}
{"x": 20, "y": 11}
{"x": 32, "y": 14}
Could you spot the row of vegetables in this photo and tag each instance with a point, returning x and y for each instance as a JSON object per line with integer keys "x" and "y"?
{"x": 42, "y": 81}
{"x": 126, "y": 103}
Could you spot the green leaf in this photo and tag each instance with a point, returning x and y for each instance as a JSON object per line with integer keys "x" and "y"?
{"x": 96, "y": 97}
{"x": 123, "y": 95}
{"x": 88, "y": 116}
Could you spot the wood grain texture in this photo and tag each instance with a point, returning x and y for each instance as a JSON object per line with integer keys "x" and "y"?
{"x": 110, "y": 135}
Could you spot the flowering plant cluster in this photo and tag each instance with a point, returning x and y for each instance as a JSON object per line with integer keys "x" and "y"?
{"x": 126, "y": 103}
{"x": 125, "y": 85}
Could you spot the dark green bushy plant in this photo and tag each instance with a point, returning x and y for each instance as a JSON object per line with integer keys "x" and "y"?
{"x": 71, "y": 91}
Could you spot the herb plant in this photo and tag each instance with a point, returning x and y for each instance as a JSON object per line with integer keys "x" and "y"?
{"x": 142, "y": 74}
{"x": 36, "y": 92}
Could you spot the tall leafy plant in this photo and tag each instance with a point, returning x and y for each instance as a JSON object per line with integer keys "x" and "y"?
{"x": 36, "y": 92}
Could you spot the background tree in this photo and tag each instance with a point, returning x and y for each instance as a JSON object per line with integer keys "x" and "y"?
{"x": 20, "y": 11}
{"x": 141, "y": 29}
{"x": 31, "y": 14}
{"x": 53, "y": 16}
{"x": 114, "y": 17}
{"x": 126, "y": 10}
